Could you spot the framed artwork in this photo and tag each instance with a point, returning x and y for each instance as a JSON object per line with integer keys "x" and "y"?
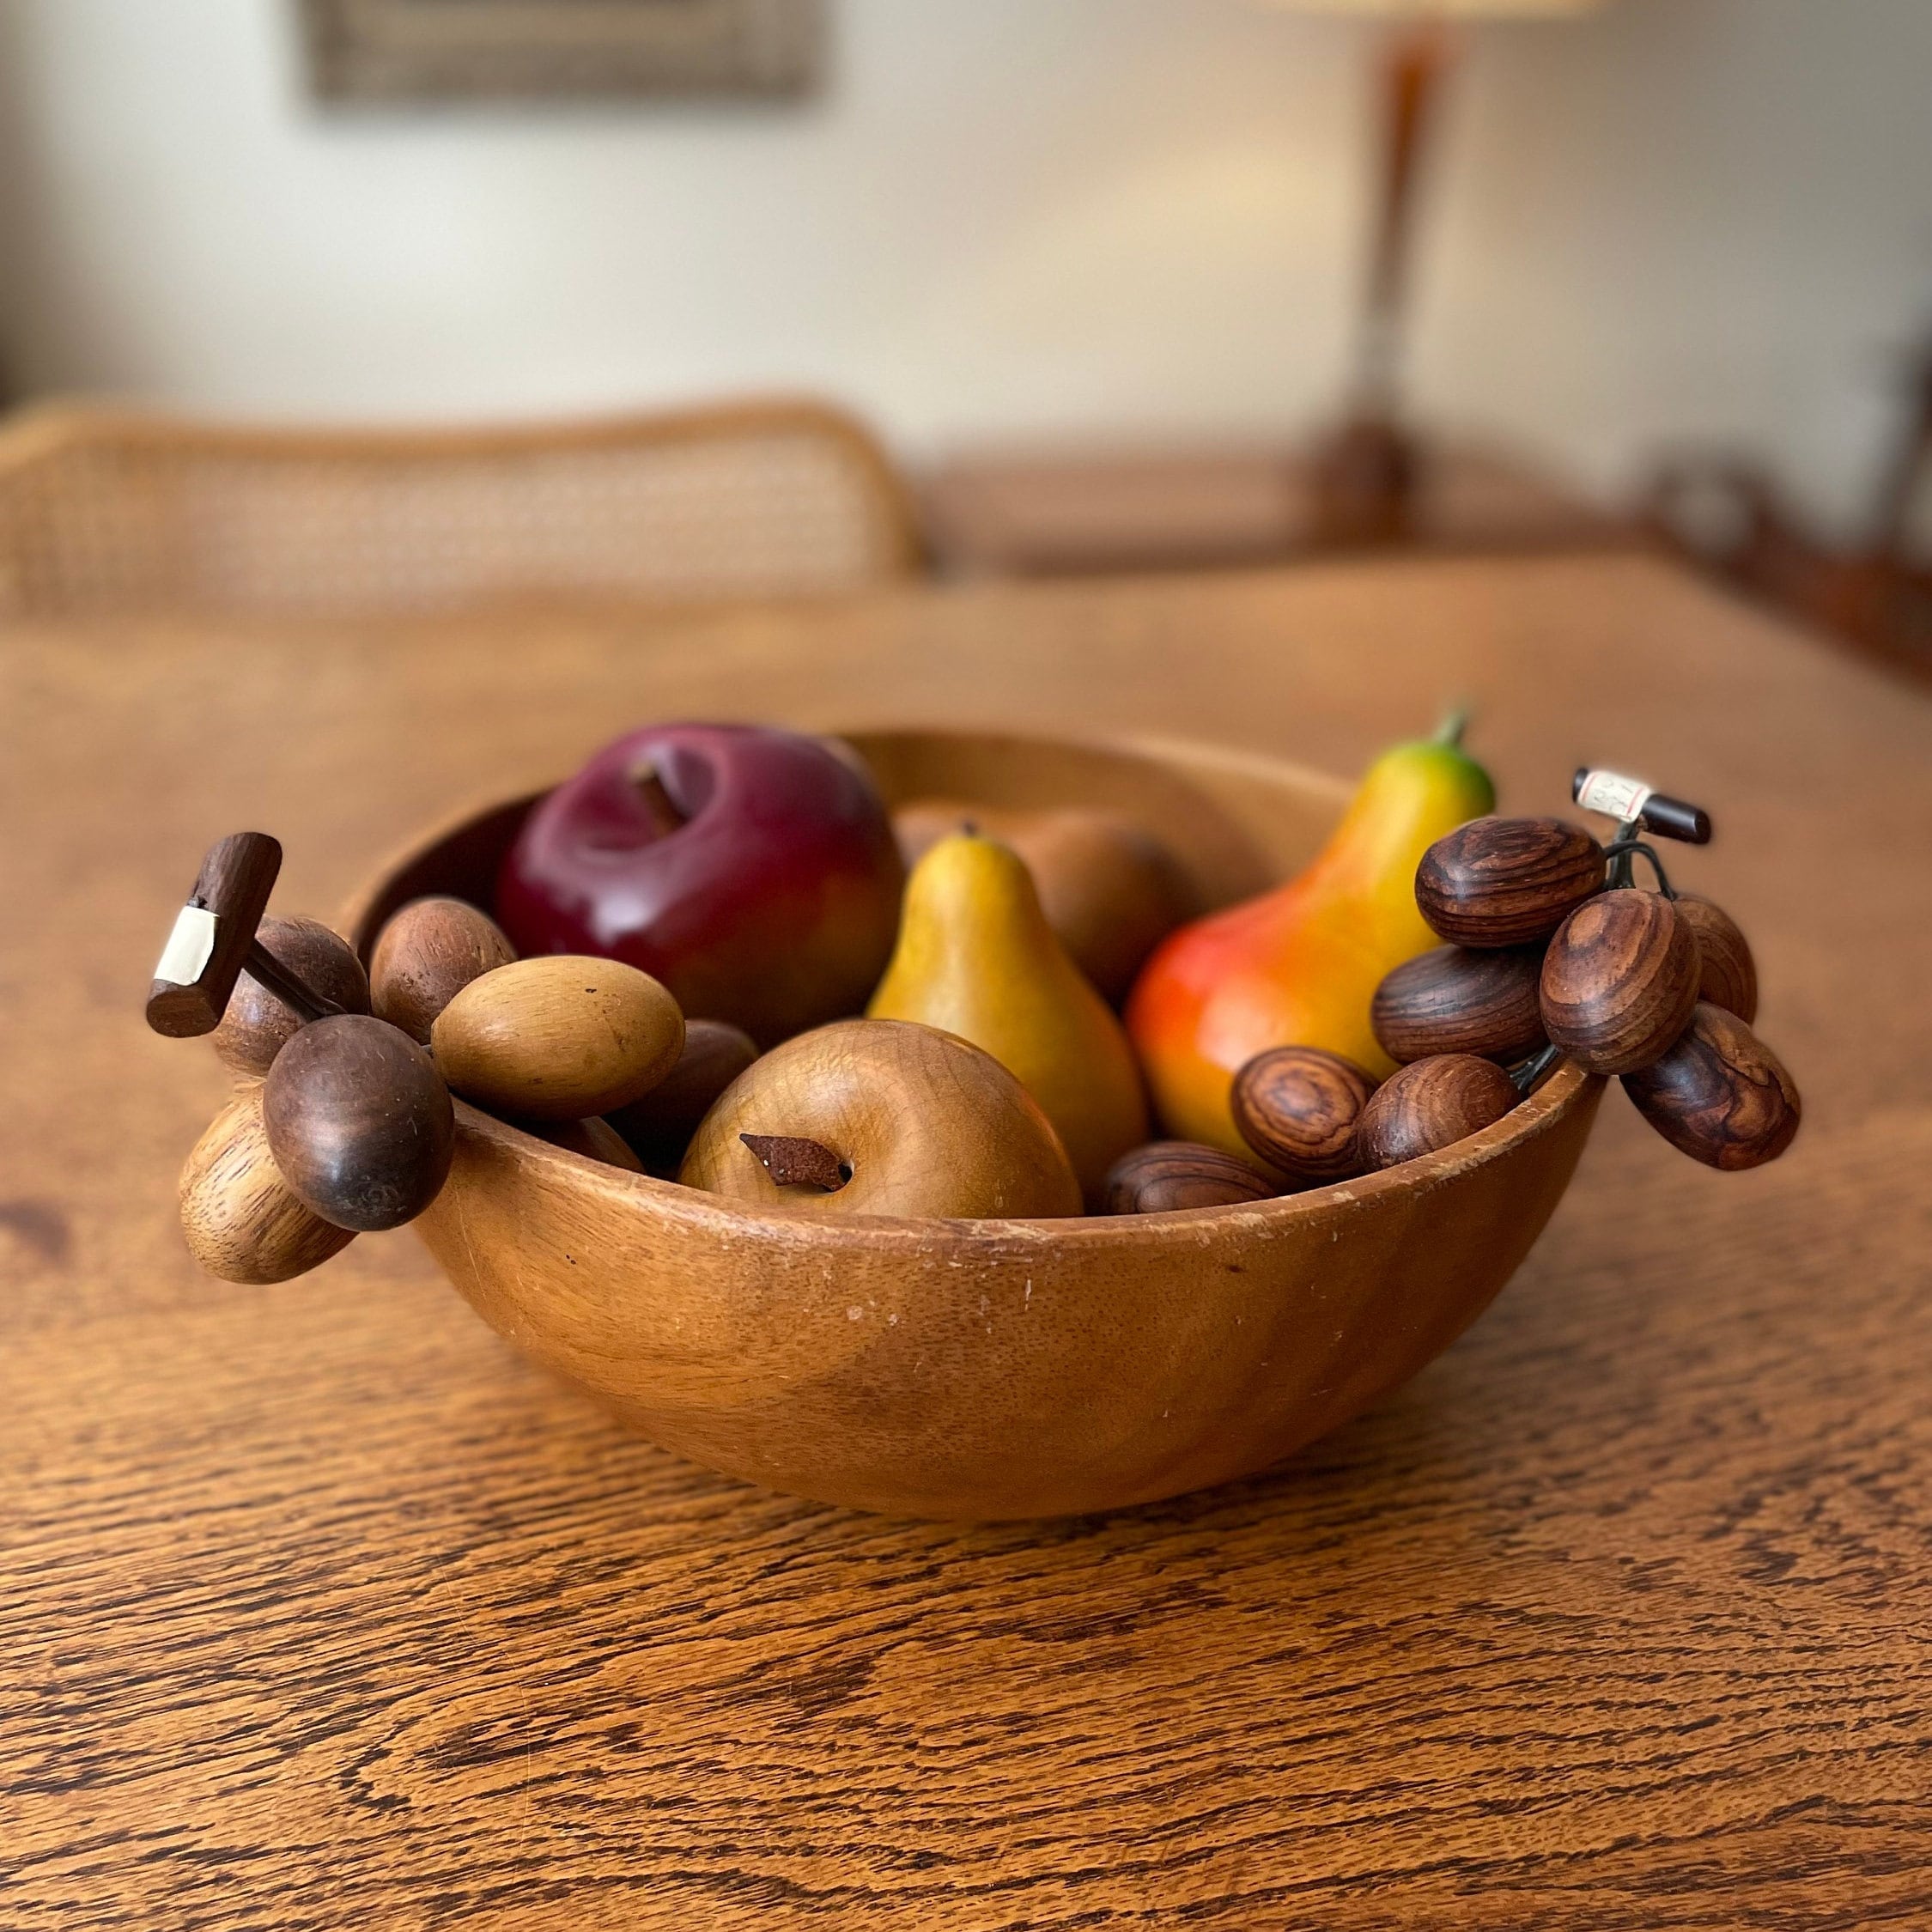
{"x": 399, "y": 51}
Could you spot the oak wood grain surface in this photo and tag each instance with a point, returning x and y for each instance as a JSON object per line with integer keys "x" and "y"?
{"x": 319, "y": 1608}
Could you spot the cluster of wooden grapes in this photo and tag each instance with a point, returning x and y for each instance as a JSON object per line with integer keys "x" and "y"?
{"x": 1553, "y": 951}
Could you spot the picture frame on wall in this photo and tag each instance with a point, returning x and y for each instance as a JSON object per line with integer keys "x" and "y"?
{"x": 375, "y": 51}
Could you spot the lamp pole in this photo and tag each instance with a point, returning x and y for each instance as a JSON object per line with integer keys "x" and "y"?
{"x": 1365, "y": 474}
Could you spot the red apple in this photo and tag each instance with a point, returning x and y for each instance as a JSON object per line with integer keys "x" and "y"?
{"x": 753, "y": 871}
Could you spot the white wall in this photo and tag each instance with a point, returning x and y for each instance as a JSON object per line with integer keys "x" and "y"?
{"x": 1704, "y": 218}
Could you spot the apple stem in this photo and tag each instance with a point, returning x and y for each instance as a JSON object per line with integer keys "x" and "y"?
{"x": 792, "y": 1161}
{"x": 660, "y": 807}
{"x": 1450, "y": 731}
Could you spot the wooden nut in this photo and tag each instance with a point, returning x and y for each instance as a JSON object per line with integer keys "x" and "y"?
{"x": 1720, "y": 1094}
{"x": 428, "y": 951}
{"x": 360, "y": 1121}
{"x": 258, "y": 1024}
{"x": 1297, "y": 1107}
{"x": 1429, "y": 1104}
{"x": 595, "y": 1140}
{"x": 242, "y": 1221}
{"x": 1619, "y": 980}
{"x": 558, "y": 1038}
{"x": 659, "y": 1126}
{"x": 1507, "y": 882}
{"x": 1167, "y": 1175}
{"x": 1458, "y": 999}
{"x": 1727, "y": 974}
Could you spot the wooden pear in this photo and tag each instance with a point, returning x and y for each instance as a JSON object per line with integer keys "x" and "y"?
{"x": 1111, "y": 890}
{"x": 977, "y": 956}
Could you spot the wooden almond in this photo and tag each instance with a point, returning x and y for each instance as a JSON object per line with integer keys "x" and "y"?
{"x": 242, "y": 1221}
{"x": 425, "y": 955}
{"x": 558, "y": 1038}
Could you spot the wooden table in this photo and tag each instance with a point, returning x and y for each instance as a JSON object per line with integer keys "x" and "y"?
{"x": 1040, "y": 512}
{"x": 319, "y": 1608}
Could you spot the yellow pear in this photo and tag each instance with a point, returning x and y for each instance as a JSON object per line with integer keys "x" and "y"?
{"x": 977, "y": 956}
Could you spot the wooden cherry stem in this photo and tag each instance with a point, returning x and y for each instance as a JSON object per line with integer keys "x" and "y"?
{"x": 215, "y": 941}
{"x": 287, "y": 985}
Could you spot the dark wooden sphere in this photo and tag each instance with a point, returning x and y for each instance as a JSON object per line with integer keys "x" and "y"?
{"x": 1727, "y": 975}
{"x": 1720, "y": 1094}
{"x": 427, "y": 952}
{"x": 1619, "y": 980}
{"x": 1166, "y": 1174}
{"x": 1507, "y": 882}
{"x": 1461, "y": 999}
{"x": 658, "y": 1128}
{"x": 1429, "y": 1104}
{"x": 1296, "y": 1107}
{"x": 258, "y": 1023}
{"x": 359, "y": 1121}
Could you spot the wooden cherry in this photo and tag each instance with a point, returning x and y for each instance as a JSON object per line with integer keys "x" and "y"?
{"x": 360, "y": 1121}
{"x": 1430, "y": 1104}
{"x": 1167, "y": 1175}
{"x": 1507, "y": 882}
{"x": 1297, "y": 1107}
{"x": 1727, "y": 974}
{"x": 1719, "y": 1094}
{"x": 258, "y": 1023}
{"x": 659, "y": 1126}
{"x": 1618, "y": 981}
{"x": 242, "y": 1221}
{"x": 426, "y": 954}
{"x": 1461, "y": 999}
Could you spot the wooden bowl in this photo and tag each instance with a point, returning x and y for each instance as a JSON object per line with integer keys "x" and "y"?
{"x": 992, "y": 1369}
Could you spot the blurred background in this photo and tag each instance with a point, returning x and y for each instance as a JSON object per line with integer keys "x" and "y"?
{"x": 1094, "y": 273}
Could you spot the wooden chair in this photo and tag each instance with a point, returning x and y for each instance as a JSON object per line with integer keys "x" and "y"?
{"x": 102, "y": 510}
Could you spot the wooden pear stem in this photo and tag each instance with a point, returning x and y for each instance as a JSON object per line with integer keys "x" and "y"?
{"x": 792, "y": 1161}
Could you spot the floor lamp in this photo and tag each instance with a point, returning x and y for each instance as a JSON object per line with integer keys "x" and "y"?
{"x": 1365, "y": 472}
